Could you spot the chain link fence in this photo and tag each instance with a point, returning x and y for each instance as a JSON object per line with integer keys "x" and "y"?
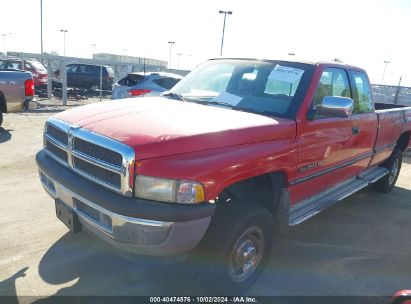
{"x": 73, "y": 79}
{"x": 392, "y": 94}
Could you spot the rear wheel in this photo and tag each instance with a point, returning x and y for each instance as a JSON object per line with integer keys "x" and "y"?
{"x": 393, "y": 164}
{"x": 2, "y": 103}
{"x": 236, "y": 247}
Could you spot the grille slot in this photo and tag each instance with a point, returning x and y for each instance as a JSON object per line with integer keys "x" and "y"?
{"x": 56, "y": 151}
{"x": 97, "y": 152}
{"x": 93, "y": 214}
{"x": 57, "y": 134}
{"x": 107, "y": 176}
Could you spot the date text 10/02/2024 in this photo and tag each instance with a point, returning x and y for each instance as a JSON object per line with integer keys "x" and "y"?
{"x": 203, "y": 300}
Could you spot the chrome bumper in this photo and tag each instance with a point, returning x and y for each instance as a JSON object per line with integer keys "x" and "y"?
{"x": 133, "y": 235}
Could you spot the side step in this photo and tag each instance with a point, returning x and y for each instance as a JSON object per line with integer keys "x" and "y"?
{"x": 302, "y": 211}
{"x": 374, "y": 174}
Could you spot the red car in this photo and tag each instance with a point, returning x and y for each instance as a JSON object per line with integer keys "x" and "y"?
{"x": 36, "y": 68}
{"x": 238, "y": 150}
{"x": 402, "y": 297}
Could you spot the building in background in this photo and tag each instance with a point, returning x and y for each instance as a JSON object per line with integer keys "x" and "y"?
{"x": 129, "y": 59}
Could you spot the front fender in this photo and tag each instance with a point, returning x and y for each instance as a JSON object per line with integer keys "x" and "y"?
{"x": 219, "y": 168}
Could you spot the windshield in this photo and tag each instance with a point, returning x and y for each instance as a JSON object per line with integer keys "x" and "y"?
{"x": 38, "y": 66}
{"x": 9, "y": 64}
{"x": 263, "y": 87}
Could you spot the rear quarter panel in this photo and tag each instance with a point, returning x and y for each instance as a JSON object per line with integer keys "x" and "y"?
{"x": 12, "y": 87}
{"x": 392, "y": 123}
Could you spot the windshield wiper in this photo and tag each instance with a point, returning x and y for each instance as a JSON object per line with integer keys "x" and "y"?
{"x": 173, "y": 96}
{"x": 221, "y": 103}
{"x": 211, "y": 102}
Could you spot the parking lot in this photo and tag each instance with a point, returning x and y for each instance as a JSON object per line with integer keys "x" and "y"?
{"x": 360, "y": 247}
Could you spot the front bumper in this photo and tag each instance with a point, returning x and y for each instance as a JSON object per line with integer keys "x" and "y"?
{"x": 129, "y": 224}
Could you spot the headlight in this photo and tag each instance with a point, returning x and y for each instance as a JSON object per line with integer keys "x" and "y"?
{"x": 168, "y": 190}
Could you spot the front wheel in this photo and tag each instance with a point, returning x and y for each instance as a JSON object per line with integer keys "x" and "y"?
{"x": 236, "y": 247}
{"x": 393, "y": 164}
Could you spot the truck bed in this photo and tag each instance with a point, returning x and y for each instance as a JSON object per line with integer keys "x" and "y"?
{"x": 393, "y": 120}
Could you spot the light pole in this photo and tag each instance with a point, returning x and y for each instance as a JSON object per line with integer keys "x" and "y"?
{"x": 222, "y": 39}
{"x": 41, "y": 26}
{"x": 94, "y": 49}
{"x": 385, "y": 69}
{"x": 178, "y": 60}
{"x": 171, "y": 47}
{"x": 64, "y": 41}
{"x": 4, "y": 43}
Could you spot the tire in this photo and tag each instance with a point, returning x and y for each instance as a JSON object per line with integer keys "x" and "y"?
{"x": 1, "y": 108}
{"x": 393, "y": 164}
{"x": 236, "y": 228}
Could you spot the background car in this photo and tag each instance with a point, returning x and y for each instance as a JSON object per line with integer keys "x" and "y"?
{"x": 87, "y": 76}
{"x": 144, "y": 84}
{"x": 402, "y": 297}
{"x": 35, "y": 67}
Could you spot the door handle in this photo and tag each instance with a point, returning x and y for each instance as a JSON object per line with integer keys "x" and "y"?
{"x": 355, "y": 130}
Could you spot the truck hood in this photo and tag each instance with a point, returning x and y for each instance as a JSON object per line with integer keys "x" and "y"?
{"x": 158, "y": 126}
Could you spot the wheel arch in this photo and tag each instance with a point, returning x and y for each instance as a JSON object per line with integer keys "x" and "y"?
{"x": 403, "y": 141}
{"x": 267, "y": 190}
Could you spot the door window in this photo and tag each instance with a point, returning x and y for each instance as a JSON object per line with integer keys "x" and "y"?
{"x": 72, "y": 69}
{"x": 361, "y": 93}
{"x": 81, "y": 69}
{"x": 333, "y": 82}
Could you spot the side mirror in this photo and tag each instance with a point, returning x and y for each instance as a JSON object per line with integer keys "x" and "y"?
{"x": 333, "y": 106}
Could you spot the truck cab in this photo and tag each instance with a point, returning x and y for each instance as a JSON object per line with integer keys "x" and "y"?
{"x": 236, "y": 152}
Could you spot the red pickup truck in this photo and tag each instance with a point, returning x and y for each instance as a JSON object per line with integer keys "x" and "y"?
{"x": 238, "y": 150}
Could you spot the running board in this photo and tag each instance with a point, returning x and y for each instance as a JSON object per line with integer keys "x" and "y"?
{"x": 304, "y": 210}
{"x": 374, "y": 174}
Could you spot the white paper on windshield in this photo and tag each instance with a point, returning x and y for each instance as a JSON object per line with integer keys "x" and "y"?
{"x": 228, "y": 98}
{"x": 286, "y": 74}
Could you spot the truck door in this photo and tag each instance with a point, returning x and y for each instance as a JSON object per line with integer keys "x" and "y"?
{"x": 365, "y": 122}
{"x": 324, "y": 143}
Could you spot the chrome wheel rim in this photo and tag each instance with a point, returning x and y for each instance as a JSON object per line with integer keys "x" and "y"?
{"x": 246, "y": 254}
{"x": 394, "y": 171}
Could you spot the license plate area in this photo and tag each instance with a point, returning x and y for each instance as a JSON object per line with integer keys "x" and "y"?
{"x": 67, "y": 216}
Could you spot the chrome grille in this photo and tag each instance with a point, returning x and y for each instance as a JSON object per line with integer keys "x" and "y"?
{"x": 98, "y": 152}
{"x": 57, "y": 134}
{"x": 56, "y": 151}
{"x": 96, "y": 157}
{"x": 102, "y": 174}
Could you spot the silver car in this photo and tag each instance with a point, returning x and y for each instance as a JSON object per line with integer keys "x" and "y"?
{"x": 144, "y": 84}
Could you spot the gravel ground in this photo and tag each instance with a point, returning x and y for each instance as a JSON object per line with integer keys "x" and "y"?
{"x": 55, "y": 105}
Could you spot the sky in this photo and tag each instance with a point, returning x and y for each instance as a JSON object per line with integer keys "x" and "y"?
{"x": 359, "y": 32}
